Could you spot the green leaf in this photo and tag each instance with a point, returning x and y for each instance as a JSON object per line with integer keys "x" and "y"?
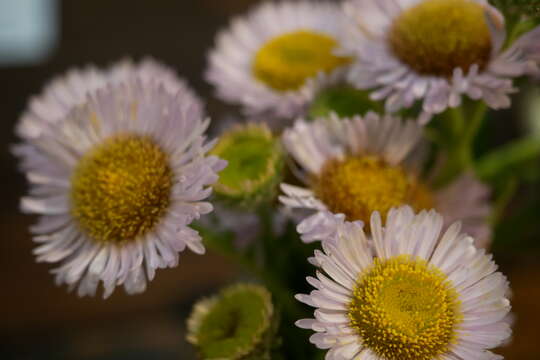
{"x": 520, "y": 158}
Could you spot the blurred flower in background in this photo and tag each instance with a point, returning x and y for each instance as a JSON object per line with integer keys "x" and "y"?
{"x": 272, "y": 60}
{"x": 65, "y": 92}
{"x": 435, "y": 51}
{"x": 363, "y": 164}
{"x": 117, "y": 179}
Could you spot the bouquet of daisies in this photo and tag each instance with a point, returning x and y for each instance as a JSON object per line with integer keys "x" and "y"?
{"x": 347, "y": 183}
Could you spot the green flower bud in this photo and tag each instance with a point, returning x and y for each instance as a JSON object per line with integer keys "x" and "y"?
{"x": 239, "y": 323}
{"x": 255, "y": 167}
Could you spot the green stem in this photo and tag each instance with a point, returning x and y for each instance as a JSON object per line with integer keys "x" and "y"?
{"x": 455, "y": 163}
{"x": 269, "y": 274}
{"x": 460, "y": 144}
{"x": 268, "y": 269}
{"x": 457, "y": 121}
{"x": 282, "y": 295}
{"x": 474, "y": 124}
{"x": 517, "y": 28}
{"x": 266, "y": 219}
{"x": 502, "y": 201}
{"x": 221, "y": 245}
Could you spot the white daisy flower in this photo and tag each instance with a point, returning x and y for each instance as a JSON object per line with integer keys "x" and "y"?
{"x": 65, "y": 92}
{"x": 359, "y": 165}
{"x": 435, "y": 51}
{"x": 117, "y": 183}
{"x": 413, "y": 293}
{"x": 272, "y": 60}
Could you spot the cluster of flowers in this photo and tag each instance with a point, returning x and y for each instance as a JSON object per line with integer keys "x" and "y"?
{"x": 120, "y": 167}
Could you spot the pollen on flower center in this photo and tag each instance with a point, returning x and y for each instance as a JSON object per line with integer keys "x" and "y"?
{"x": 121, "y": 188}
{"x": 285, "y": 62}
{"x": 359, "y": 185}
{"x": 405, "y": 309}
{"x": 437, "y": 36}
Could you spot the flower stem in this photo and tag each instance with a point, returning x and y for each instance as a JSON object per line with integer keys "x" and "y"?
{"x": 475, "y": 123}
{"x": 457, "y": 121}
{"x": 503, "y": 200}
{"x": 460, "y": 142}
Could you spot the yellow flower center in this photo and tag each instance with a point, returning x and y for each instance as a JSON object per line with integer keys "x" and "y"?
{"x": 437, "y": 36}
{"x": 359, "y": 185}
{"x": 121, "y": 188}
{"x": 405, "y": 309}
{"x": 287, "y": 61}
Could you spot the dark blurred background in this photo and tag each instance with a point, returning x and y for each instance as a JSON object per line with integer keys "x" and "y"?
{"x": 42, "y": 38}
